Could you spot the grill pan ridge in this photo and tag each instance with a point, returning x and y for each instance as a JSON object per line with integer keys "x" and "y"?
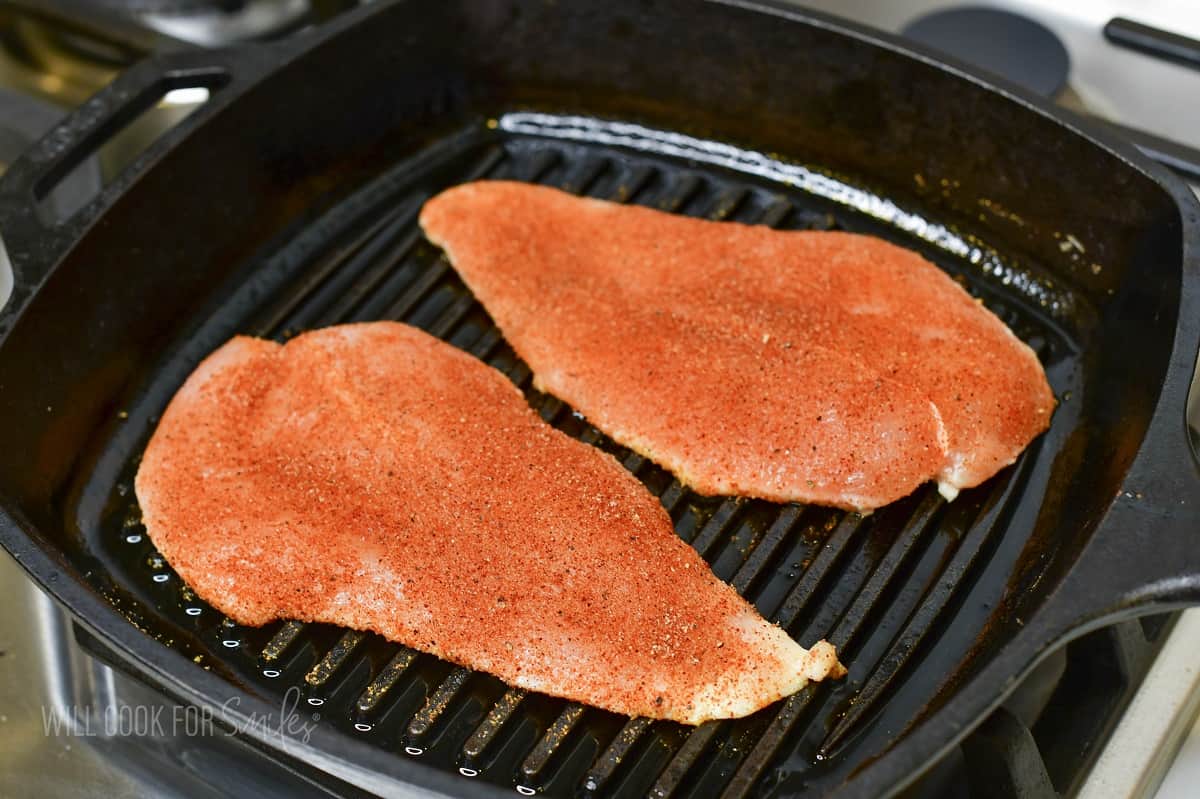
{"x": 922, "y": 597}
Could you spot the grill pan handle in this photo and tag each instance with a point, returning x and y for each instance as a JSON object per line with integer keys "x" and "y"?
{"x": 32, "y": 243}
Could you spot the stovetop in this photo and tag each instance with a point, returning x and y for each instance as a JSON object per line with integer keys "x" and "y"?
{"x": 1089, "y": 721}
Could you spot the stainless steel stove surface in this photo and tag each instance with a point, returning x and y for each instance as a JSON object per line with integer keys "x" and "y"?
{"x": 1101, "y": 718}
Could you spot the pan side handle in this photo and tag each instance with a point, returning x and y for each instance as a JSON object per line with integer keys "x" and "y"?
{"x": 32, "y": 243}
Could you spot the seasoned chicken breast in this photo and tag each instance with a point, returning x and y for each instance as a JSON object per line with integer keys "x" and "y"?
{"x": 374, "y": 477}
{"x": 822, "y": 367}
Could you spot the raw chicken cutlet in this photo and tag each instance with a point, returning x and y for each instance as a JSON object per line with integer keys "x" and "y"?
{"x": 820, "y": 367}
{"x": 374, "y": 477}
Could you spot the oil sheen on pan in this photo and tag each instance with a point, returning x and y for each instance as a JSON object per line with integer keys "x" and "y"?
{"x": 822, "y": 367}
{"x": 374, "y": 477}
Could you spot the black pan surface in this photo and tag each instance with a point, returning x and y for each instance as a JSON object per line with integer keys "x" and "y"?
{"x": 289, "y": 201}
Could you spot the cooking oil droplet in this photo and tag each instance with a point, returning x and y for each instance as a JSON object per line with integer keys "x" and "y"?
{"x": 315, "y": 701}
{"x": 270, "y": 672}
{"x": 363, "y": 727}
{"x": 231, "y": 644}
{"x": 133, "y": 539}
{"x": 161, "y": 578}
{"x": 193, "y": 611}
{"x": 414, "y": 750}
{"x": 525, "y": 790}
{"x": 468, "y": 772}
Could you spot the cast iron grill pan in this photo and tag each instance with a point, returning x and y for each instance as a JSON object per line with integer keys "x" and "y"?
{"x": 884, "y": 588}
{"x": 288, "y": 202}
